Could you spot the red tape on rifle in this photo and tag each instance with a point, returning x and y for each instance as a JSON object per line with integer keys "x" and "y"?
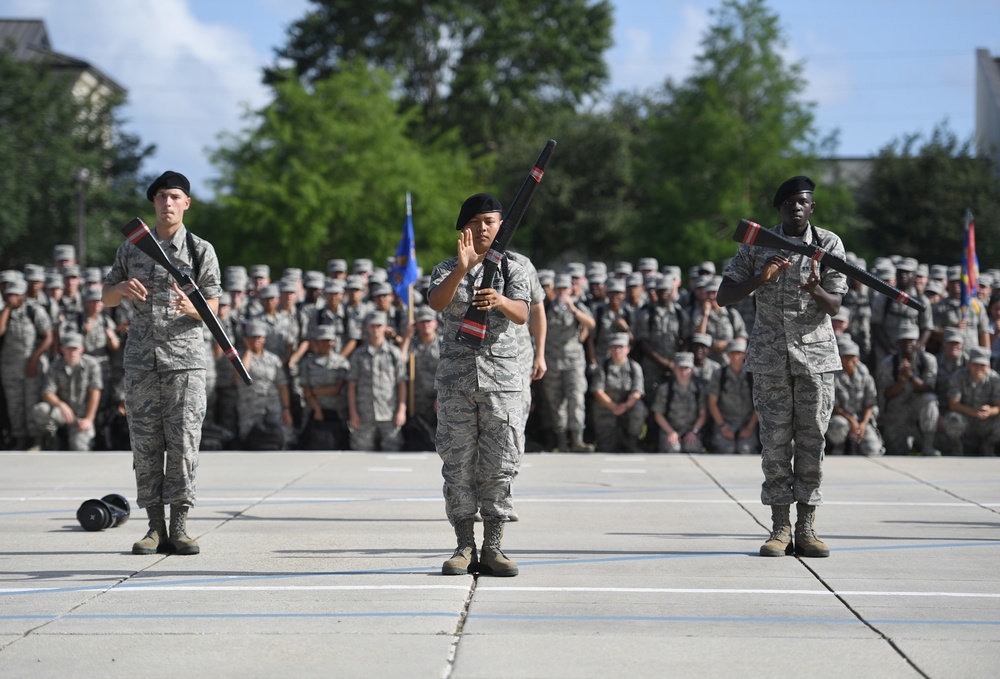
{"x": 537, "y": 175}
{"x": 138, "y": 234}
{"x": 494, "y": 256}
{"x": 473, "y": 328}
{"x": 903, "y": 298}
{"x": 818, "y": 257}
{"x": 231, "y": 353}
{"x": 751, "y": 235}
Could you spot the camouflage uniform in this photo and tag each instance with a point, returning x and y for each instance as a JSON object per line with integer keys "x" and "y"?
{"x": 661, "y": 329}
{"x": 858, "y": 300}
{"x": 891, "y": 315}
{"x": 734, "y": 392}
{"x": 948, "y": 313}
{"x": 426, "y": 358}
{"x": 165, "y": 380}
{"x": 480, "y": 433}
{"x": 26, "y": 329}
{"x": 72, "y": 386}
{"x": 793, "y": 355}
{"x": 526, "y": 348}
{"x": 855, "y": 394}
{"x": 910, "y": 413}
{"x": 965, "y": 433}
{"x": 618, "y": 432}
{"x": 326, "y": 371}
{"x": 681, "y": 407}
{"x": 259, "y": 404}
{"x": 377, "y": 372}
{"x": 565, "y": 382}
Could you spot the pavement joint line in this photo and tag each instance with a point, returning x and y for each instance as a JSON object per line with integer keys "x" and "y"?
{"x": 459, "y": 629}
{"x": 843, "y": 602}
{"x": 988, "y": 507}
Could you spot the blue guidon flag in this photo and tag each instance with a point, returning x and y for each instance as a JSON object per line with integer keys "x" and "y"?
{"x": 404, "y": 272}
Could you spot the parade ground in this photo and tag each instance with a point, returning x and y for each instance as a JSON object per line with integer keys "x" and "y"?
{"x": 328, "y": 565}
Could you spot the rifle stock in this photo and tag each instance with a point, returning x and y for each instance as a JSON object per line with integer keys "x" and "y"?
{"x": 472, "y": 331}
{"x": 139, "y": 235}
{"x": 751, "y": 233}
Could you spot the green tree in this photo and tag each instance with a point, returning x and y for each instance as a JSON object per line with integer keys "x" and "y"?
{"x": 584, "y": 207}
{"x": 722, "y": 141}
{"x": 484, "y": 66}
{"x": 46, "y": 135}
{"x": 915, "y": 200}
{"x": 323, "y": 172}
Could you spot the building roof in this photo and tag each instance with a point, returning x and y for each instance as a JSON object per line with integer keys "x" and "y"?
{"x": 28, "y": 40}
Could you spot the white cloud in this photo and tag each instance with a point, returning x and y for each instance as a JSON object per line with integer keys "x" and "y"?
{"x": 186, "y": 78}
{"x": 655, "y": 45}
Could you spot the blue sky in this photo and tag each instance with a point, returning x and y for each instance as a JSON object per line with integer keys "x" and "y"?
{"x": 877, "y": 70}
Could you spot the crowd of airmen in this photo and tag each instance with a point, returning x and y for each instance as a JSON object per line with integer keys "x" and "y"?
{"x": 639, "y": 359}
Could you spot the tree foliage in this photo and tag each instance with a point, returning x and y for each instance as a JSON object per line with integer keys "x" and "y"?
{"x": 483, "y": 67}
{"x": 46, "y": 135}
{"x": 915, "y": 199}
{"x": 723, "y": 140}
{"x": 323, "y": 172}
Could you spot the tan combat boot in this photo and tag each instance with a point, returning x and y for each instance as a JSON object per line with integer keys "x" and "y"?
{"x": 183, "y": 544}
{"x": 464, "y": 559}
{"x": 807, "y": 543}
{"x": 156, "y": 541}
{"x": 780, "y": 542}
{"x": 491, "y": 560}
{"x": 577, "y": 445}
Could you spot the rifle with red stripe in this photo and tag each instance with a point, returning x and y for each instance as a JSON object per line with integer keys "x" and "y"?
{"x": 751, "y": 233}
{"x": 140, "y": 236}
{"x": 472, "y": 331}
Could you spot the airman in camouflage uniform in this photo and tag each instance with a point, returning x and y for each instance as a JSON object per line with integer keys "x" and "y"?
{"x": 71, "y": 392}
{"x": 971, "y": 319}
{"x": 793, "y": 357}
{"x": 263, "y": 408}
{"x": 704, "y": 367}
{"x": 906, "y": 384}
{"x": 974, "y": 402}
{"x": 531, "y": 353}
{"x": 730, "y": 404}
{"x": 707, "y": 317}
{"x": 165, "y": 389}
{"x": 376, "y": 390}
{"x": 888, "y": 316}
{"x": 480, "y": 433}
{"x": 323, "y": 374}
{"x": 618, "y": 387}
{"x": 661, "y": 331}
{"x": 27, "y": 335}
{"x": 679, "y": 409}
{"x": 565, "y": 382}
{"x": 950, "y": 359}
{"x": 426, "y": 352}
{"x": 853, "y": 427}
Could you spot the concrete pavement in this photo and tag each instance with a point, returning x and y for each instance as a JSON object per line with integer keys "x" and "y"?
{"x": 327, "y": 564}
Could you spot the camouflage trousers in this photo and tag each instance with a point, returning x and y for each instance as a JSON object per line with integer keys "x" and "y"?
{"x": 871, "y": 442}
{"x": 794, "y": 412}
{"x": 615, "y": 433}
{"x": 902, "y": 419}
{"x": 48, "y": 419}
{"x": 564, "y": 391}
{"x": 21, "y": 393}
{"x": 480, "y": 440}
{"x": 967, "y": 434}
{"x": 745, "y": 445}
{"x": 375, "y": 435}
{"x": 165, "y": 413}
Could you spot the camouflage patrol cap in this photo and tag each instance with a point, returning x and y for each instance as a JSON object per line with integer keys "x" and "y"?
{"x": 92, "y": 293}
{"x": 376, "y": 318}
{"x": 647, "y": 264}
{"x": 362, "y": 265}
{"x": 324, "y": 332}
{"x": 908, "y": 331}
{"x": 424, "y": 313}
{"x": 256, "y": 328}
{"x": 63, "y": 252}
{"x": 71, "y": 340}
{"x": 16, "y": 287}
{"x": 849, "y": 347}
{"x": 314, "y": 280}
{"x": 736, "y": 344}
{"x": 34, "y": 273}
{"x": 354, "y": 282}
{"x": 954, "y": 335}
{"x": 380, "y": 289}
{"x": 53, "y": 282}
{"x": 546, "y": 276}
{"x": 615, "y": 285}
{"x": 684, "y": 359}
{"x": 979, "y": 355}
{"x": 619, "y": 339}
{"x": 260, "y": 271}
{"x": 702, "y": 338}
{"x": 563, "y": 280}
{"x": 336, "y": 266}
{"x": 333, "y": 287}
{"x": 268, "y": 292}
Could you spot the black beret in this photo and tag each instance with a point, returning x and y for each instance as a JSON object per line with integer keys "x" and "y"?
{"x": 474, "y": 205}
{"x": 168, "y": 180}
{"x": 793, "y": 186}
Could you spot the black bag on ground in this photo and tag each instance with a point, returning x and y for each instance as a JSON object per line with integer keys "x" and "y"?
{"x": 419, "y": 434}
{"x": 329, "y": 434}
